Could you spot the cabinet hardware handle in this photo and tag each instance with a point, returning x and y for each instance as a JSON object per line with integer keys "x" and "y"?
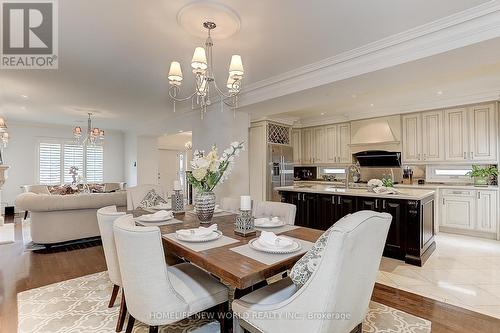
{"x": 376, "y": 203}
{"x": 425, "y": 157}
{"x": 383, "y": 204}
{"x": 338, "y": 201}
{"x": 479, "y": 195}
{"x": 471, "y": 155}
{"x": 333, "y": 200}
{"x": 465, "y": 155}
{"x": 418, "y": 156}
{"x": 443, "y": 201}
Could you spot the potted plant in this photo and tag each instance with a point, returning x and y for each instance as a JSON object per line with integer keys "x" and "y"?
{"x": 207, "y": 172}
{"x": 482, "y": 175}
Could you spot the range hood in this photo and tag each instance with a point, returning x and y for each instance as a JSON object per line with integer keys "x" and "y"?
{"x": 379, "y": 158}
{"x": 383, "y": 134}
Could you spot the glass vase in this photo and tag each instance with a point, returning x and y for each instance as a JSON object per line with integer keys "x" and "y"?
{"x": 204, "y": 204}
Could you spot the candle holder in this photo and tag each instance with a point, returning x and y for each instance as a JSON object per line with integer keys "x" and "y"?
{"x": 177, "y": 201}
{"x": 244, "y": 224}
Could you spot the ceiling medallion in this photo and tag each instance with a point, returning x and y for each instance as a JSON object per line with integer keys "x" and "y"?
{"x": 206, "y": 87}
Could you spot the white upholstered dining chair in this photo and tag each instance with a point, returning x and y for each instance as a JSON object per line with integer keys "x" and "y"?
{"x": 135, "y": 194}
{"x": 105, "y": 218}
{"x": 158, "y": 294}
{"x": 230, "y": 204}
{"x": 341, "y": 284}
{"x": 286, "y": 212}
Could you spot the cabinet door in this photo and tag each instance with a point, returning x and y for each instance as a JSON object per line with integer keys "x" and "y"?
{"x": 344, "y": 140}
{"x": 458, "y": 211}
{"x": 483, "y": 133}
{"x": 325, "y": 212}
{"x": 296, "y": 145}
{"x": 307, "y": 148}
{"x": 487, "y": 211}
{"x": 412, "y": 138}
{"x": 395, "y": 237}
{"x": 368, "y": 204}
{"x": 345, "y": 205}
{"x": 331, "y": 144}
{"x": 455, "y": 135}
{"x": 432, "y": 136}
{"x": 319, "y": 144}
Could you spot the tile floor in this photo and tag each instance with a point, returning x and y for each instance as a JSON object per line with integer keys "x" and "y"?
{"x": 463, "y": 271}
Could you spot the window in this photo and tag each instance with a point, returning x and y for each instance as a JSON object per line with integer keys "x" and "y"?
{"x": 448, "y": 173}
{"x": 94, "y": 164}
{"x": 56, "y": 158}
{"x": 49, "y": 163}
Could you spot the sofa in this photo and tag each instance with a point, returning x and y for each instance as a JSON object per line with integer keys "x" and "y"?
{"x": 61, "y": 218}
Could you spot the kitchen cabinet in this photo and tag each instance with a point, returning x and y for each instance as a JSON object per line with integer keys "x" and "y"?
{"x": 487, "y": 211}
{"x": 456, "y": 134}
{"x": 411, "y": 234}
{"x": 307, "y": 146}
{"x": 319, "y": 145}
{"x": 482, "y": 133}
{"x": 458, "y": 209}
{"x": 332, "y": 143}
{"x": 423, "y": 137}
{"x": 297, "y": 145}
{"x": 338, "y": 138}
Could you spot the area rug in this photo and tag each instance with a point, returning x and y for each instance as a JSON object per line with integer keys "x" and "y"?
{"x": 80, "y": 305}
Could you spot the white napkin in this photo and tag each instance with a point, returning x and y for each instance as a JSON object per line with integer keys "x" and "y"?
{"x": 162, "y": 214}
{"x": 267, "y": 221}
{"x": 270, "y": 240}
{"x": 199, "y": 232}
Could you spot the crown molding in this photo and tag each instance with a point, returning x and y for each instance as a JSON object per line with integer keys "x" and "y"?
{"x": 465, "y": 28}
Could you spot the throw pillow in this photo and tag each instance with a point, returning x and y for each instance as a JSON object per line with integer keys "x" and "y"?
{"x": 151, "y": 199}
{"x": 305, "y": 266}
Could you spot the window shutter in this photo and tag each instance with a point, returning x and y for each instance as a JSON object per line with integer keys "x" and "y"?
{"x": 73, "y": 156}
{"x": 95, "y": 163}
{"x": 50, "y": 163}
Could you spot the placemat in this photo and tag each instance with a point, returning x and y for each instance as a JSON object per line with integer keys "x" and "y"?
{"x": 158, "y": 224}
{"x": 198, "y": 247}
{"x": 271, "y": 258}
{"x": 279, "y": 230}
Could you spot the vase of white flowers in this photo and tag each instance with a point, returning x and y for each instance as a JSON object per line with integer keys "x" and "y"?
{"x": 207, "y": 172}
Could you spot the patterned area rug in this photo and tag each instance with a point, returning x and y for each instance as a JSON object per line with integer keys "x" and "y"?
{"x": 80, "y": 306}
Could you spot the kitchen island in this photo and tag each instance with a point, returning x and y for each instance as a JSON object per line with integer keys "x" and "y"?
{"x": 411, "y": 235}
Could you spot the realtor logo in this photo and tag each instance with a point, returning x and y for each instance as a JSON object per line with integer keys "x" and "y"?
{"x": 29, "y": 34}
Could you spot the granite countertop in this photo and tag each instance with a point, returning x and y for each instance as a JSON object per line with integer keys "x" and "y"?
{"x": 432, "y": 186}
{"x": 405, "y": 194}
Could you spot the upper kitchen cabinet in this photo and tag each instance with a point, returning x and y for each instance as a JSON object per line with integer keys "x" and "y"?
{"x": 423, "y": 137}
{"x": 297, "y": 145}
{"x": 319, "y": 145}
{"x": 456, "y": 135}
{"x": 471, "y": 134}
{"x": 331, "y": 143}
{"x": 338, "y": 138}
{"x": 482, "y": 133}
{"x": 307, "y": 146}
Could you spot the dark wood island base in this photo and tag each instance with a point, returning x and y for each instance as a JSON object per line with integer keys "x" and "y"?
{"x": 410, "y": 237}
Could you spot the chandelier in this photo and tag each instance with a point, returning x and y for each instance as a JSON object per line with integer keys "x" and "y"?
{"x": 205, "y": 85}
{"x": 92, "y": 137}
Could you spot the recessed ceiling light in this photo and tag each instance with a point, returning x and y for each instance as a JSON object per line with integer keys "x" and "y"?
{"x": 180, "y": 131}
{"x": 24, "y": 96}
{"x": 372, "y": 105}
{"x": 354, "y": 96}
{"x": 323, "y": 113}
{"x": 439, "y": 92}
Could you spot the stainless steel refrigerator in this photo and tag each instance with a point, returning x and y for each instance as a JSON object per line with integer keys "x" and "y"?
{"x": 280, "y": 169}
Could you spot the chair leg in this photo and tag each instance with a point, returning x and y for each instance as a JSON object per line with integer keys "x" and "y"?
{"x": 153, "y": 329}
{"x": 222, "y": 310}
{"x": 130, "y": 324}
{"x": 122, "y": 314}
{"x": 114, "y": 293}
{"x": 358, "y": 329}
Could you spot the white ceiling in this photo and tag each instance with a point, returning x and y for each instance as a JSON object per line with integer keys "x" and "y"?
{"x": 174, "y": 141}
{"x": 114, "y": 54}
{"x": 465, "y": 75}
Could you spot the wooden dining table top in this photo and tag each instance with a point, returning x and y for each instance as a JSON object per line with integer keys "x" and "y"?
{"x": 237, "y": 270}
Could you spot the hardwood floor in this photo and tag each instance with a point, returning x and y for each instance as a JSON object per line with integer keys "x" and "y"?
{"x": 21, "y": 271}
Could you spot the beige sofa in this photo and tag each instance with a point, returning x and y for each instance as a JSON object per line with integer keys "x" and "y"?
{"x": 61, "y": 218}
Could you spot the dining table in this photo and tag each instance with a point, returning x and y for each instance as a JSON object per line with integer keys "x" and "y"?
{"x": 232, "y": 268}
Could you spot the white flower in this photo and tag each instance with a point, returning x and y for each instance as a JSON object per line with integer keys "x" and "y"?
{"x": 235, "y": 144}
{"x": 199, "y": 174}
{"x": 200, "y": 163}
{"x": 214, "y": 166}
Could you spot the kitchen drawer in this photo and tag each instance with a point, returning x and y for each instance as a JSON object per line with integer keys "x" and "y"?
{"x": 462, "y": 193}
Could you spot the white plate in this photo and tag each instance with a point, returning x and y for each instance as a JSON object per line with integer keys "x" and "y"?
{"x": 270, "y": 224}
{"x": 254, "y": 244}
{"x": 215, "y": 235}
{"x": 142, "y": 219}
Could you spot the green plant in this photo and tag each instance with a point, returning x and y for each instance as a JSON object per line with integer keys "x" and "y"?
{"x": 387, "y": 182}
{"x": 483, "y": 172}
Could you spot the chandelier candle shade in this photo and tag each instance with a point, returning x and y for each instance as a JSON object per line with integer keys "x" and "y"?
{"x": 206, "y": 87}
